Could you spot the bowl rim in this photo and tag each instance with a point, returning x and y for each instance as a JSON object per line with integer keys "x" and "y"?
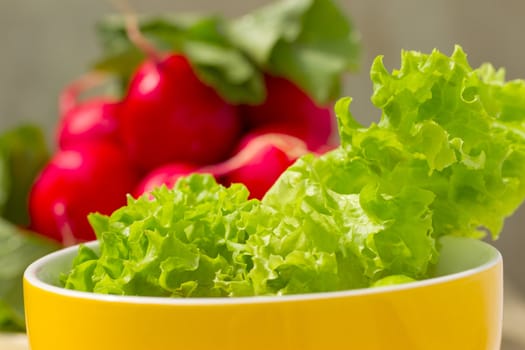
{"x": 31, "y": 277}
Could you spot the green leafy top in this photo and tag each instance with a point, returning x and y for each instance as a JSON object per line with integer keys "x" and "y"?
{"x": 18, "y": 249}
{"x": 461, "y": 132}
{"x": 23, "y": 152}
{"x": 446, "y": 158}
{"x": 310, "y": 42}
{"x": 187, "y": 242}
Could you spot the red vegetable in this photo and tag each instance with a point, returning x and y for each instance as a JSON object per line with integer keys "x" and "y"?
{"x": 80, "y": 121}
{"x": 169, "y": 115}
{"x": 259, "y": 161}
{"x": 293, "y": 111}
{"x": 164, "y": 175}
{"x": 93, "y": 120}
{"x": 91, "y": 177}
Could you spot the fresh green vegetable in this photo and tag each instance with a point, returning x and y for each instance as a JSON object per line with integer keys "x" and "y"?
{"x": 310, "y": 42}
{"x": 446, "y": 158}
{"x": 187, "y": 242}
{"x": 18, "y": 248}
{"x": 23, "y": 152}
{"x": 217, "y": 61}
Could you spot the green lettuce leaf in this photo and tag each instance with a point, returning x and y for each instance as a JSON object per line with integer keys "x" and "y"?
{"x": 364, "y": 232}
{"x": 446, "y": 158}
{"x": 463, "y": 129}
{"x": 186, "y": 242}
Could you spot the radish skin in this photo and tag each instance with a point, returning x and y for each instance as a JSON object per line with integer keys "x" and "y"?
{"x": 93, "y": 120}
{"x": 92, "y": 177}
{"x": 289, "y": 108}
{"x": 259, "y": 161}
{"x": 165, "y": 175}
{"x": 168, "y": 115}
{"x": 81, "y": 121}
{"x": 70, "y": 96}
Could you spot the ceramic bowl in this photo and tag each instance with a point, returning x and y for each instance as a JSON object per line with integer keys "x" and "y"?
{"x": 460, "y": 308}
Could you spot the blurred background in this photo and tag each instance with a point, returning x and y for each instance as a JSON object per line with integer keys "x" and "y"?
{"x": 46, "y": 44}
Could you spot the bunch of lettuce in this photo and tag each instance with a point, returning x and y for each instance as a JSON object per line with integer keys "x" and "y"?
{"x": 446, "y": 158}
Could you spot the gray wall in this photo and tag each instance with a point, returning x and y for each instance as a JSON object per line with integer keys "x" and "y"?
{"x": 44, "y": 44}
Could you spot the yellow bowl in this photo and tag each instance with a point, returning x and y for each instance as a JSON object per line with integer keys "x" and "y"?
{"x": 460, "y": 308}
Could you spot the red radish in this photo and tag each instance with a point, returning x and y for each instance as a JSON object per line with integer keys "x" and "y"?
{"x": 164, "y": 175}
{"x": 70, "y": 96}
{"x": 283, "y": 129}
{"x": 93, "y": 120}
{"x": 260, "y": 160}
{"x": 84, "y": 121}
{"x": 93, "y": 177}
{"x": 291, "y": 108}
{"x": 169, "y": 115}
{"x": 262, "y": 171}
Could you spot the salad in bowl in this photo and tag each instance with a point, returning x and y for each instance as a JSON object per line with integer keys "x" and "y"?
{"x": 372, "y": 245}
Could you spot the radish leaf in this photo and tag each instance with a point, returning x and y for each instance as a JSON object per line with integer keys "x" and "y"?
{"x": 311, "y": 42}
{"x": 24, "y": 152}
{"x": 216, "y": 60}
{"x": 18, "y": 248}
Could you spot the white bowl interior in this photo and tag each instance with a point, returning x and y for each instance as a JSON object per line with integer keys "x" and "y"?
{"x": 459, "y": 254}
